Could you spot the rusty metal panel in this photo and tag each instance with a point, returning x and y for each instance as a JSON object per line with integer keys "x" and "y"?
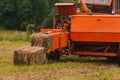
{"x": 66, "y": 9}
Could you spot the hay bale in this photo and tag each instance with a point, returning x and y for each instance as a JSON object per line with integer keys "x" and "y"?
{"x": 29, "y": 55}
{"x": 50, "y": 41}
{"x": 42, "y": 40}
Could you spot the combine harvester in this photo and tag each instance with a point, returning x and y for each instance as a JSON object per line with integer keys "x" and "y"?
{"x": 92, "y": 30}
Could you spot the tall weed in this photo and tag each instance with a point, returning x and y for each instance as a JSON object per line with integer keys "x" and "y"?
{"x": 14, "y": 35}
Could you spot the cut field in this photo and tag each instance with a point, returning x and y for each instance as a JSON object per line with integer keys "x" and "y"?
{"x": 68, "y": 68}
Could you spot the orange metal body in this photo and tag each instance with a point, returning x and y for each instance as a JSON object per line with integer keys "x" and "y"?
{"x": 87, "y": 27}
{"x": 60, "y": 38}
{"x": 95, "y": 54}
{"x": 66, "y": 9}
{"x": 84, "y": 7}
{"x": 95, "y": 28}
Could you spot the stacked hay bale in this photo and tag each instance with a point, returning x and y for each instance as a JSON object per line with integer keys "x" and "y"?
{"x": 42, "y": 40}
{"x": 29, "y": 55}
{"x": 34, "y": 54}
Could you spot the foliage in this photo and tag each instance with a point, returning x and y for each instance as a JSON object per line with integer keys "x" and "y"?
{"x": 17, "y": 14}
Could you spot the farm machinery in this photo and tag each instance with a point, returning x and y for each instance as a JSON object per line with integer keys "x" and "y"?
{"x": 93, "y": 29}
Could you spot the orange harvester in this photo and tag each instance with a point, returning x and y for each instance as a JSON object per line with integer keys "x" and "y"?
{"x": 93, "y": 29}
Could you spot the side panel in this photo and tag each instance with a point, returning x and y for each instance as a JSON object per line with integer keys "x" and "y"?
{"x": 95, "y": 28}
{"x": 95, "y": 37}
{"x": 96, "y": 23}
{"x": 63, "y": 40}
{"x": 60, "y": 40}
{"x": 60, "y": 37}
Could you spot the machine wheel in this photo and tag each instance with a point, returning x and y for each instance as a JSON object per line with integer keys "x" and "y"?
{"x": 49, "y": 56}
{"x": 119, "y": 59}
{"x": 118, "y": 55}
{"x": 112, "y": 58}
{"x": 57, "y": 56}
{"x": 53, "y": 56}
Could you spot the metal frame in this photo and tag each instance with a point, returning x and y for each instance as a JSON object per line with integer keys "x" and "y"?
{"x": 108, "y": 4}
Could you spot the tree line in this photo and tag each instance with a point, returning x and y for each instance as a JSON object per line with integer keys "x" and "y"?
{"x": 17, "y": 14}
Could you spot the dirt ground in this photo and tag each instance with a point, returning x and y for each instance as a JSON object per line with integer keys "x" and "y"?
{"x": 46, "y": 76}
{"x": 52, "y": 75}
{"x": 86, "y": 73}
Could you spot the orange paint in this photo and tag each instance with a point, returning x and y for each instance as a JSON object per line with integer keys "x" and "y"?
{"x": 60, "y": 37}
{"x": 95, "y": 54}
{"x": 66, "y": 9}
{"x": 95, "y": 27}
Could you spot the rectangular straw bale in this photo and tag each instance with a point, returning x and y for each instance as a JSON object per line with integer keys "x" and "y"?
{"x": 47, "y": 41}
{"x": 29, "y": 55}
{"x": 36, "y": 39}
{"x": 42, "y": 40}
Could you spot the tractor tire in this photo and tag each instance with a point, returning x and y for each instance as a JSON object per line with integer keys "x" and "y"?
{"x": 112, "y": 58}
{"x": 49, "y": 56}
{"x": 55, "y": 56}
{"x": 119, "y": 57}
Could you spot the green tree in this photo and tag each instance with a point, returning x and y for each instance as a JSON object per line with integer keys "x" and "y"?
{"x": 24, "y": 12}
{"x": 8, "y": 13}
{"x": 16, "y": 14}
{"x": 39, "y": 11}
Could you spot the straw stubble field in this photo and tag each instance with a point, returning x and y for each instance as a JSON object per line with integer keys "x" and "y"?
{"x": 68, "y": 68}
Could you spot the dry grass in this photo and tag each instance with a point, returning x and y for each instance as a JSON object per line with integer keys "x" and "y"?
{"x": 69, "y": 68}
{"x": 7, "y": 35}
